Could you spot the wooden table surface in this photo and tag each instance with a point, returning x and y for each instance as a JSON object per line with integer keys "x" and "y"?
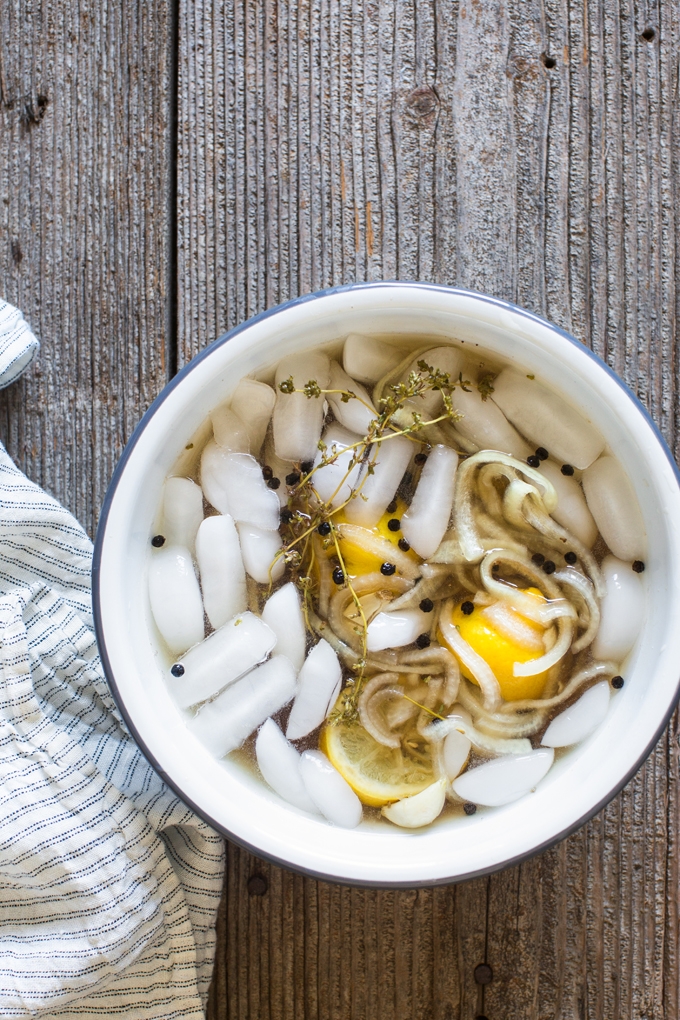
{"x": 169, "y": 169}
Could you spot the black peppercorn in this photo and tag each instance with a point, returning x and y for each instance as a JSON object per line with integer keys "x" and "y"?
{"x": 403, "y": 545}
{"x": 267, "y": 472}
{"x": 423, "y": 641}
{"x": 324, "y": 528}
{"x": 394, "y": 524}
{"x": 293, "y": 478}
{"x": 469, "y": 809}
{"x": 467, "y": 607}
{"x": 338, "y": 575}
{"x": 542, "y": 453}
{"x": 538, "y": 559}
{"x": 549, "y": 567}
{"x": 391, "y": 507}
{"x": 306, "y": 466}
{"x": 638, "y": 566}
{"x": 273, "y": 483}
{"x": 617, "y": 682}
{"x": 426, "y": 606}
{"x": 387, "y": 569}
{"x": 533, "y": 461}
{"x": 567, "y": 469}
{"x": 570, "y": 557}
{"x": 177, "y": 669}
{"x": 420, "y": 458}
{"x": 157, "y": 541}
{"x": 286, "y": 516}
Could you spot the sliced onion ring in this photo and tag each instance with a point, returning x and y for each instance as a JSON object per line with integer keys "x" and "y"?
{"x": 479, "y": 669}
{"x": 573, "y": 579}
{"x": 551, "y": 529}
{"x": 526, "y": 605}
{"x": 375, "y": 691}
{"x": 463, "y": 513}
{"x": 596, "y": 669}
{"x": 565, "y": 632}
{"x": 385, "y": 550}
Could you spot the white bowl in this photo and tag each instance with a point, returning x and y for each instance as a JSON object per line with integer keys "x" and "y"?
{"x": 232, "y": 799}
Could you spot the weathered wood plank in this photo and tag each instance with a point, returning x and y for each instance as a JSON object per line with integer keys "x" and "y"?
{"x": 84, "y": 232}
{"x": 529, "y": 149}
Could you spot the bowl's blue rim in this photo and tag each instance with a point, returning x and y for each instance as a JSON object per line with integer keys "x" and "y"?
{"x": 101, "y": 532}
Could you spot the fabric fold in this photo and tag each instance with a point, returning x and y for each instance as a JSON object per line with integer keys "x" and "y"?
{"x": 109, "y": 884}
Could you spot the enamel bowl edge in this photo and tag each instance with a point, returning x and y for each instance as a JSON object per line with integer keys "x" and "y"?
{"x": 232, "y": 799}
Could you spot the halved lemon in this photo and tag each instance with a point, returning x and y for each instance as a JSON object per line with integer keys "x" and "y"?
{"x": 378, "y": 775}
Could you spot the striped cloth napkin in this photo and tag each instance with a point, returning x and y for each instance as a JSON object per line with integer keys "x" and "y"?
{"x": 109, "y": 885}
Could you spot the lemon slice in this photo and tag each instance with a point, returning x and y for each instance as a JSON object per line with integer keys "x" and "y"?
{"x": 378, "y": 775}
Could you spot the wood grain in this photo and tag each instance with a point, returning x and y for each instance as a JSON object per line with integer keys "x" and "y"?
{"x": 529, "y": 149}
{"x": 84, "y": 235}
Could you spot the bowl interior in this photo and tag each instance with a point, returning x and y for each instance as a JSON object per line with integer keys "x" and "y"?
{"x": 230, "y": 796}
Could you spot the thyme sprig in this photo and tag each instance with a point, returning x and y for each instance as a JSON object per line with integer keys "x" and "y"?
{"x": 485, "y": 385}
{"x": 309, "y": 510}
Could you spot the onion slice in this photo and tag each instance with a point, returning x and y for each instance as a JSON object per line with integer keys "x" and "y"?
{"x": 596, "y": 669}
{"x": 555, "y": 605}
{"x": 385, "y": 550}
{"x": 461, "y": 723}
{"x": 378, "y": 689}
{"x": 565, "y": 632}
{"x": 464, "y": 518}
{"x": 474, "y": 663}
{"x": 590, "y": 620}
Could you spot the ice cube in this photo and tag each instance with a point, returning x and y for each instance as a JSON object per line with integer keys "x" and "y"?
{"x": 333, "y": 796}
{"x": 318, "y": 688}
{"x": 176, "y": 598}
{"x": 282, "y": 612}
{"x": 279, "y": 764}
{"x": 223, "y": 724}
{"x": 221, "y": 659}
{"x": 223, "y": 577}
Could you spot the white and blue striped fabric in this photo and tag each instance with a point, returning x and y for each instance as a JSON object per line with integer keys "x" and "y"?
{"x": 109, "y": 885}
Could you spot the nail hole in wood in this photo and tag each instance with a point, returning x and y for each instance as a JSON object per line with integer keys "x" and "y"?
{"x": 483, "y": 974}
{"x": 257, "y": 885}
{"x": 649, "y": 34}
{"x": 548, "y": 61}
